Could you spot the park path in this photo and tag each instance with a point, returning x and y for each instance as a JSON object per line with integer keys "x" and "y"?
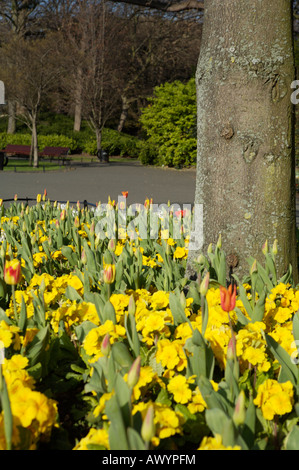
{"x": 97, "y": 181}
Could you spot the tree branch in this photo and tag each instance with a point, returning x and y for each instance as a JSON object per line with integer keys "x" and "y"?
{"x": 167, "y": 5}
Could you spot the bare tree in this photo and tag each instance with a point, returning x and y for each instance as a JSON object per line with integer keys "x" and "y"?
{"x": 30, "y": 71}
{"x": 99, "y": 94}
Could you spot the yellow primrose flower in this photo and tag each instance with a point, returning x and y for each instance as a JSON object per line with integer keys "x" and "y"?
{"x": 159, "y": 300}
{"x": 39, "y": 258}
{"x": 95, "y": 437}
{"x": 180, "y": 253}
{"x": 179, "y": 387}
{"x": 251, "y": 346}
{"x": 9, "y": 334}
{"x": 274, "y": 398}
{"x": 215, "y": 443}
{"x": 171, "y": 355}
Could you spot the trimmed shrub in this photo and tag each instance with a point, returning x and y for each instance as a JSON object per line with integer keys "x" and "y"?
{"x": 114, "y": 142}
{"x": 169, "y": 121}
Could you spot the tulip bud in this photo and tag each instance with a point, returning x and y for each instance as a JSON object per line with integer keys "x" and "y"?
{"x": 210, "y": 248}
{"x": 201, "y": 259}
{"x": 83, "y": 257}
{"x": 132, "y": 305}
{"x": 148, "y": 425}
{"x": 265, "y": 247}
{"x": 240, "y": 410}
{"x": 77, "y": 222}
{"x": 16, "y": 197}
{"x": 12, "y": 272}
{"x": 134, "y": 373}
{"x": 111, "y": 245}
{"x": 1, "y": 202}
{"x": 92, "y": 228}
{"x": 109, "y": 274}
{"x": 62, "y": 214}
{"x": 219, "y": 242}
{"x": 274, "y": 248}
{"x": 105, "y": 346}
{"x": 230, "y": 354}
{"x": 253, "y": 268}
{"x": 204, "y": 286}
{"x": 38, "y": 198}
{"x": 97, "y": 240}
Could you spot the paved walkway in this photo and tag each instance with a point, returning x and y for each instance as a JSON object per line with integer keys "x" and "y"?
{"x": 97, "y": 181}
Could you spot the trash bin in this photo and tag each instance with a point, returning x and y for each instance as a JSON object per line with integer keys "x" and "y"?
{"x": 103, "y": 156}
{"x": 2, "y": 159}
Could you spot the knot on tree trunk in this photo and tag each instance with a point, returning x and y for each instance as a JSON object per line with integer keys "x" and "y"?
{"x": 227, "y": 131}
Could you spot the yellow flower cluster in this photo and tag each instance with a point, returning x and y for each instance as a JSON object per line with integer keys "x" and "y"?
{"x": 215, "y": 443}
{"x": 275, "y": 398}
{"x": 164, "y": 382}
{"x": 33, "y": 412}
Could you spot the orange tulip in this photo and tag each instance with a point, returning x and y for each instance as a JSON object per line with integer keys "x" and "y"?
{"x": 125, "y": 193}
{"x": 12, "y": 272}
{"x": 228, "y": 297}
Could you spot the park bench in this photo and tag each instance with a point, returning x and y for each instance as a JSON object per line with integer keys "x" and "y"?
{"x": 10, "y": 149}
{"x": 54, "y": 152}
{"x": 51, "y": 152}
{"x": 22, "y": 150}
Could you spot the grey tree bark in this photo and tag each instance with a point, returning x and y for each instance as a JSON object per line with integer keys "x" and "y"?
{"x": 246, "y": 164}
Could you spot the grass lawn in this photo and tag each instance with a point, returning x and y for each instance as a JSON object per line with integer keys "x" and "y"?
{"x": 21, "y": 165}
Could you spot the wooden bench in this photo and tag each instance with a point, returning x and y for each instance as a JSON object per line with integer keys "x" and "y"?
{"x": 54, "y": 152}
{"x": 24, "y": 151}
{"x": 11, "y": 149}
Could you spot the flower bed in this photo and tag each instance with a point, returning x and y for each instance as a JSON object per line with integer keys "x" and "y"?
{"x": 106, "y": 345}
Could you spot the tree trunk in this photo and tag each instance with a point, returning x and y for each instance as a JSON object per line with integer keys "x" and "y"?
{"x": 78, "y": 102}
{"x": 124, "y": 113}
{"x": 34, "y": 143}
{"x": 246, "y": 165}
{"x": 78, "y": 117}
{"x": 11, "y": 125}
{"x": 98, "y": 133}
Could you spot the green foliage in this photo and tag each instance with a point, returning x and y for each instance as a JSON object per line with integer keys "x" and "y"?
{"x": 170, "y": 125}
{"x": 114, "y": 142}
{"x": 54, "y": 140}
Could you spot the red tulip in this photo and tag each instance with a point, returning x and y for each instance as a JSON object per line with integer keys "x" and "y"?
{"x": 125, "y": 193}
{"x": 228, "y": 297}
